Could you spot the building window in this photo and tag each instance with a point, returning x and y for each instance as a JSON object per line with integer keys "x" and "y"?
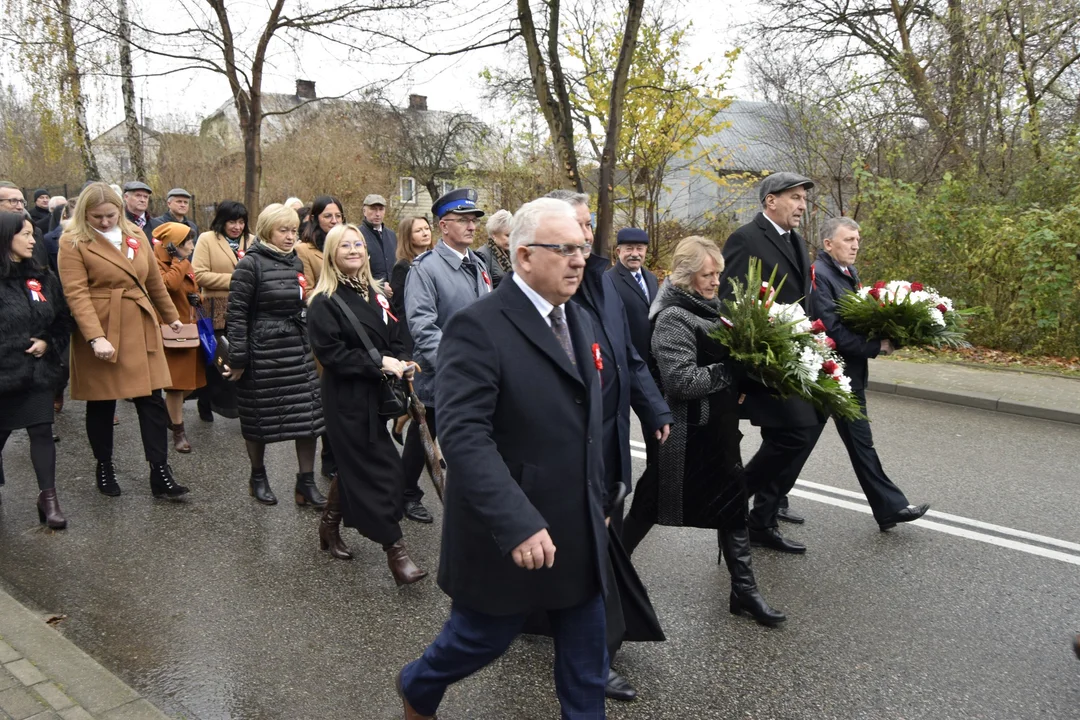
{"x": 445, "y": 186}
{"x": 408, "y": 190}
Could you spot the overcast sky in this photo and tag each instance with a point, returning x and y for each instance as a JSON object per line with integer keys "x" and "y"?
{"x": 448, "y": 84}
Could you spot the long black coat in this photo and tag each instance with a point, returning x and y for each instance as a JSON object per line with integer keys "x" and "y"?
{"x": 278, "y": 394}
{"x": 626, "y": 379}
{"x": 637, "y": 306}
{"x": 521, "y": 430}
{"x": 22, "y": 318}
{"x": 758, "y": 238}
{"x": 369, "y": 467}
{"x": 829, "y": 284}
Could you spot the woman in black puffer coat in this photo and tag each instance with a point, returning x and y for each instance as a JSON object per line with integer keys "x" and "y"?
{"x": 34, "y": 325}
{"x": 270, "y": 357}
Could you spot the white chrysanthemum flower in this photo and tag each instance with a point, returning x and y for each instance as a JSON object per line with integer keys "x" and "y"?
{"x": 864, "y": 292}
{"x": 897, "y": 290}
{"x": 845, "y": 383}
{"x": 937, "y": 317}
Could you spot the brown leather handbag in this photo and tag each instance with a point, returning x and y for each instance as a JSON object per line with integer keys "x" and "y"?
{"x": 186, "y": 337}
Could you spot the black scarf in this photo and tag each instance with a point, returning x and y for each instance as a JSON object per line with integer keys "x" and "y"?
{"x": 500, "y": 256}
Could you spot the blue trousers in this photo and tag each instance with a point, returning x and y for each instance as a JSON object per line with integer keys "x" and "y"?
{"x": 471, "y": 640}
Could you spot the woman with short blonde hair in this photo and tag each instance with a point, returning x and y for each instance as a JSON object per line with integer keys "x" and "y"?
{"x": 270, "y": 357}
{"x": 496, "y": 251}
{"x": 349, "y": 305}
{"x": 116, "y": 295}
{"x": 697, "y": 480}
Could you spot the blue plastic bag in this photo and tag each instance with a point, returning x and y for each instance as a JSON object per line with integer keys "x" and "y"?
{"x": 207, "y": 338}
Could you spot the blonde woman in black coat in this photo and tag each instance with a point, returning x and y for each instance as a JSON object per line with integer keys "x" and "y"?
{"x": 33, "y": 325}
{"x": 269, "y": 354}
{"x": 348, "y": 302}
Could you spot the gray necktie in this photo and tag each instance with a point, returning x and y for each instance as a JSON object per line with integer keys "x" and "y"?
{"x": 641, "y": 282}
{"x": 562, "y": 332}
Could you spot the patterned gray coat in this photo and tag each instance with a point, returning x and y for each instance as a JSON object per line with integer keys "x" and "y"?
{"x": 700, "y": 470}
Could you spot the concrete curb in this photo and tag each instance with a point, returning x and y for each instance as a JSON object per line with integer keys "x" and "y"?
{"x": 973, "y": 399}
{"x": 67, "y": 668}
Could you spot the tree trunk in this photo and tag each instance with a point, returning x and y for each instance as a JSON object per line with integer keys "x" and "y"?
{"x": 131, "y": 123}
{"x": 605, "y": 207}
{"x": 73, "y": 80}
{"x": 555, "y": 105}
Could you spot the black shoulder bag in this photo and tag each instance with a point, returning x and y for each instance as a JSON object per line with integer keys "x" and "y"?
{"x": 392, "y": 402}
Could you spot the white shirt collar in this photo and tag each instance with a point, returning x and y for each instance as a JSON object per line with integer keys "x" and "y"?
{"x": 542, "y": 306}
{"x": 781, "y": 231}
{"x": 461, "y": 256}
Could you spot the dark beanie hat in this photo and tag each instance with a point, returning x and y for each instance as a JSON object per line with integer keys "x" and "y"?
{"x": 39, "y": 192}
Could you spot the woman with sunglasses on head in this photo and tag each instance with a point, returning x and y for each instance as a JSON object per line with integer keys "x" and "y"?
{"x": 117, "y": 298}
{"x": 351, "y": 319}
{"x": 34, "y": 324}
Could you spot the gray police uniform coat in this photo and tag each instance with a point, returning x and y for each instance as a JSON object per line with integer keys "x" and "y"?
{"x": 436, "y": 287}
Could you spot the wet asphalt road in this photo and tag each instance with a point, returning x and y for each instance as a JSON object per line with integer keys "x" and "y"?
{"x": 218, "y": 607}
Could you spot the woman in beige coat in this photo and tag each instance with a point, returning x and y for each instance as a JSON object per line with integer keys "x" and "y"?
{"x": 215, "y": 257}
{"x": 118, "y": 300}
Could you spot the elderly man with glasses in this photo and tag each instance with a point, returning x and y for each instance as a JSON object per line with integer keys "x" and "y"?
{"x": 441, "y": 281}
{"x": 524, "y": 531}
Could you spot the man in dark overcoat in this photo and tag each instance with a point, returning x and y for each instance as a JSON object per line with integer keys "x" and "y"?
{"x": 834, "y": 274}
{"x": 520, "y": 414}
{"x": 636, "y": 285}
{"x": 381, "y": 240}
{"x": 789, "y": 428}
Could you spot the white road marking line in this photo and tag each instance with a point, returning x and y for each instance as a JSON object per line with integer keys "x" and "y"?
{"x": 949, "y": 529}
{"x": 956, "y": 519}
{"x": 930, "y": 524}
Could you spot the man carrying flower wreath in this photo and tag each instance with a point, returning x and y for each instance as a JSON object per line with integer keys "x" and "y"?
{"x": 833, "y": 275}
{"x": 789, "y": 427}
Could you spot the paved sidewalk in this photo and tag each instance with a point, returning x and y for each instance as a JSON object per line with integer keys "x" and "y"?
{"x": 1045, "y": 396}
{"x": 43, "y": 676}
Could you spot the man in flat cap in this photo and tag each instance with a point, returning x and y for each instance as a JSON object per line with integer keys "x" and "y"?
{"x": 440, "y": 282}
{"x": 179, "y": 203}
{"x": 136, "y": 201}
{"x": 381, "y": 241}
{"x": 789, "y": 428}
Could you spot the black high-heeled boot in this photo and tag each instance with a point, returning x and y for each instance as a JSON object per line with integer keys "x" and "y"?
{"x": 106, "y": 478}
{"x": 735, "y": 550}
{"x": 307, "y": 492}
{"x": 260, "y": 487}
{"x": 162, "y": 482}
{"x": 48, "y": 509}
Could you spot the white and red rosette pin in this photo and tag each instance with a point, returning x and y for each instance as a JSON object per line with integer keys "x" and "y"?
{"x": 303, "y": 284}
{"x": 385, "y": 305}
{"x": 132, "y": 247}
{"x": 35, "y": 290}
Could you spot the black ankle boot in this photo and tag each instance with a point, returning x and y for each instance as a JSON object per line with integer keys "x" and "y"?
{"x": 307, "y": 492}
{"x": 260, "y": 487}
{"x": 106, "y": 478}
{"x": 735, "y": 550}
{"x": 162, "y": 482}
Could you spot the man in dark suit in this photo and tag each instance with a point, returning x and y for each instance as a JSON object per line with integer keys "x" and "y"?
{"x": 789, "y": 428}
{"x": 636, "y": 285}
{"x": 833, "y": 275}
{"x": 520, "y": 416}
{"x": 136, "y": 201}
{"x": 381, "y": 240}
{"x": 626, "y": 383}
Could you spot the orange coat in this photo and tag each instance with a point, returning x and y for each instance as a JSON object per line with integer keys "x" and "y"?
{"x": 186, "y": 365}
{"x": 123, "y": 300}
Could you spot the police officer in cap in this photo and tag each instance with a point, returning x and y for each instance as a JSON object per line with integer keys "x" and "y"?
{"x": 789, "y": 428}
{"x": 442, "y": 281}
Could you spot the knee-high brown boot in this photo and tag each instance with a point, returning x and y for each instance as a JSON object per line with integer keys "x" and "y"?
{"x": 330, "y": 523}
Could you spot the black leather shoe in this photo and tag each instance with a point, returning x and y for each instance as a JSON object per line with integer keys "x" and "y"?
{"x": 786, "y": 515}
{"x": 617, "y": 688}
{"x": 911, "y": 512}
{"x": 772, "y": 539}
{"x": 415, "y": 511}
